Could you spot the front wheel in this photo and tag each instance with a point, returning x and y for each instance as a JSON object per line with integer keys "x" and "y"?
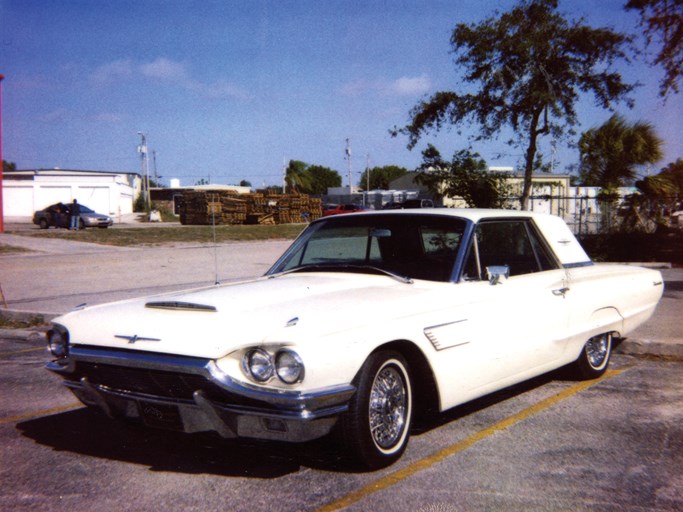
{"x": 377, "y": 426}
{"x": 594, "y": 358}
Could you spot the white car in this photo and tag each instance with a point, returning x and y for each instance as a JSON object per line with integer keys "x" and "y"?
{"x": 367, "y": 320}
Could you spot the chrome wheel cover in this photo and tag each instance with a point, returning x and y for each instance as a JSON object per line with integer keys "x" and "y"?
{"x": 388, "y": 407}
{"x": 597, "y": 349}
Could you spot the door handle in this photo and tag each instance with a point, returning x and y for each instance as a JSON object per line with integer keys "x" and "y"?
{"x": 561, "y": 291}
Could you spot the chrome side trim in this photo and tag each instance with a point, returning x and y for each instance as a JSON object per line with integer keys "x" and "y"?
{"x": 179, "y": 305}
{"x": 578, "y": 264}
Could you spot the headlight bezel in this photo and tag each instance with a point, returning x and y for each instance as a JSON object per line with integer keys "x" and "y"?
{"x": 263, "y": 365}
{"x": 58, "y": 341}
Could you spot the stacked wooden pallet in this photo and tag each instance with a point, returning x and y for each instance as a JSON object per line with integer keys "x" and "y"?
{"x": 263, "y": 207}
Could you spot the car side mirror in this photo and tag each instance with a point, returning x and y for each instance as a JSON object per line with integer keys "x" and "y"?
{"x": 495, "y": 272}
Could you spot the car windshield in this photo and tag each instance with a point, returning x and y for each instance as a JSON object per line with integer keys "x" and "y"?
{"x": 413, "y": 246}
{"x": 84, "y": 209}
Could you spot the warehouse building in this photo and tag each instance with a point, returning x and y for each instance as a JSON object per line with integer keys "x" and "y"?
{"x": 108, "y": 192}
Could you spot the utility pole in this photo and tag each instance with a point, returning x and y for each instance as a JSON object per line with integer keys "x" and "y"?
{"x": 142, "y": 149}
{"x": 366, "y": 197}
{"x": 348, "y": 158}
{"x": 284, "y": 174}
{"x": 154, "y": 161}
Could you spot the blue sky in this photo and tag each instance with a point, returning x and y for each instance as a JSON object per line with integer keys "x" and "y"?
{"x": 228, "y": 90}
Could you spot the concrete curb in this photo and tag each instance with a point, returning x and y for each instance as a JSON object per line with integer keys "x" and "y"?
{"x": 32, "y": 336}
{"x": 636, "y": 347}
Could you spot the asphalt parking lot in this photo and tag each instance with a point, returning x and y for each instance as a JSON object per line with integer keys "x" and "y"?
{"x": 549, "y": 444}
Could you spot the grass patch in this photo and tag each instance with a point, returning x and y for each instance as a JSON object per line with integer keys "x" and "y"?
{"x": 7, "y": 322}
{"x": 10, "y": 249}
{"x": 163, "y": 234}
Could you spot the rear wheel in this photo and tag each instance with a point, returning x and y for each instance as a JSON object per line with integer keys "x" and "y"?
{"x": 377, "y": 426}
{"x": 594, "y": 358}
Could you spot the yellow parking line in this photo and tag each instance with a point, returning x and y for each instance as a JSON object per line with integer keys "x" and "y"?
{"x": 44, "y": 412}
{"x": 426, "y": 463}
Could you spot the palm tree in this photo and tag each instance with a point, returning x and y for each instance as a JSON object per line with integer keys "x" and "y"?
{"x": 297, "y": 177}
{"x": 611, "y": 152}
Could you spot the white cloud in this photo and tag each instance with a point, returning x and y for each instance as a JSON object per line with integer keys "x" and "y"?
{"x": 404, "y": 86}
{"x": 107, "y": 118}
{"x": 112, "y": 72}
{"x": 165, "y": 70}
{"x": 410, "y": 86}
{"x": 56, "y": 116}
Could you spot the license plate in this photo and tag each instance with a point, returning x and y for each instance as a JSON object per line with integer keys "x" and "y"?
{"x": 160, "y": 416}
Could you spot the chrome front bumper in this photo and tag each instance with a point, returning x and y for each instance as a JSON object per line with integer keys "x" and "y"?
{"x": 194, "y": 395}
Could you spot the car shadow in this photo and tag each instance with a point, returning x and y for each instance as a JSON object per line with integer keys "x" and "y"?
{"x": 426, "y": 422}
{"x": 90, "y": 433}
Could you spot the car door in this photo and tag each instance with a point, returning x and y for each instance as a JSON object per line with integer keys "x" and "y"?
{"x": 514, "y": 321}
{"x": 60, "y": 216}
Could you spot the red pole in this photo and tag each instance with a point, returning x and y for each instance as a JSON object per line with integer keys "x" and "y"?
{"x": 2, "y": 165}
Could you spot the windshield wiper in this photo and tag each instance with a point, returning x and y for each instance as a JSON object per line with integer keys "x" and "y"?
{"x": 346, "y": 267}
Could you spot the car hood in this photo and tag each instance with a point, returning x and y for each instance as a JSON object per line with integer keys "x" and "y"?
{"x": 212, "y": 322}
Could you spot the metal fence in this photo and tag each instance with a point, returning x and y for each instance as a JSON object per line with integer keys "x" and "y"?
{"x": 587, "y": 215}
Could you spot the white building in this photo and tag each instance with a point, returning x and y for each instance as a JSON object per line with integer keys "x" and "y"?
{"x": 108, "y": 192}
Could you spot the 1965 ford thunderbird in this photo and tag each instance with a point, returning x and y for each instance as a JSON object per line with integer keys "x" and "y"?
{"x": 366, "y": 320}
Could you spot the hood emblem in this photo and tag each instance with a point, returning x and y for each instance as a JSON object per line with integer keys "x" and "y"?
{"x": 135, "y": 337}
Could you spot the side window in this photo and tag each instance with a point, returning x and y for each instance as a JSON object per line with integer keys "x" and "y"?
{"x": 513, "y": 243}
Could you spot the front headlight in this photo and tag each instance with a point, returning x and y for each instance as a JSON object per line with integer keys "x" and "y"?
{"x": 58, "y": 342}
{"x": 261, "y": 365}
{"x": 289, "y": 367}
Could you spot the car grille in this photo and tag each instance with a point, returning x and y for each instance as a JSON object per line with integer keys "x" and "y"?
{"x": 172, "y": 385}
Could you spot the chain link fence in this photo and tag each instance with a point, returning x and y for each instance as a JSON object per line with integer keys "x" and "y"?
{"x": 587, "y": 215}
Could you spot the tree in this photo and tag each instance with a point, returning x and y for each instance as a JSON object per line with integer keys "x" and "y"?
{"x": 611, "y": 152}
{"x": 674, "y": 174}
{"x": 663, "y": 19}
{"x": 465, "y": 176}
{"x": 322, "y": 178}
{"x": 245, "y": 183}
{"x": 381, "y": 177}
{"x": 295, "y": 176}
{"x": 8, "y": 166}
{"x": 666, "y": 188}
{"x": 529, "y": 64}
{"x": 313, "y": 179}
